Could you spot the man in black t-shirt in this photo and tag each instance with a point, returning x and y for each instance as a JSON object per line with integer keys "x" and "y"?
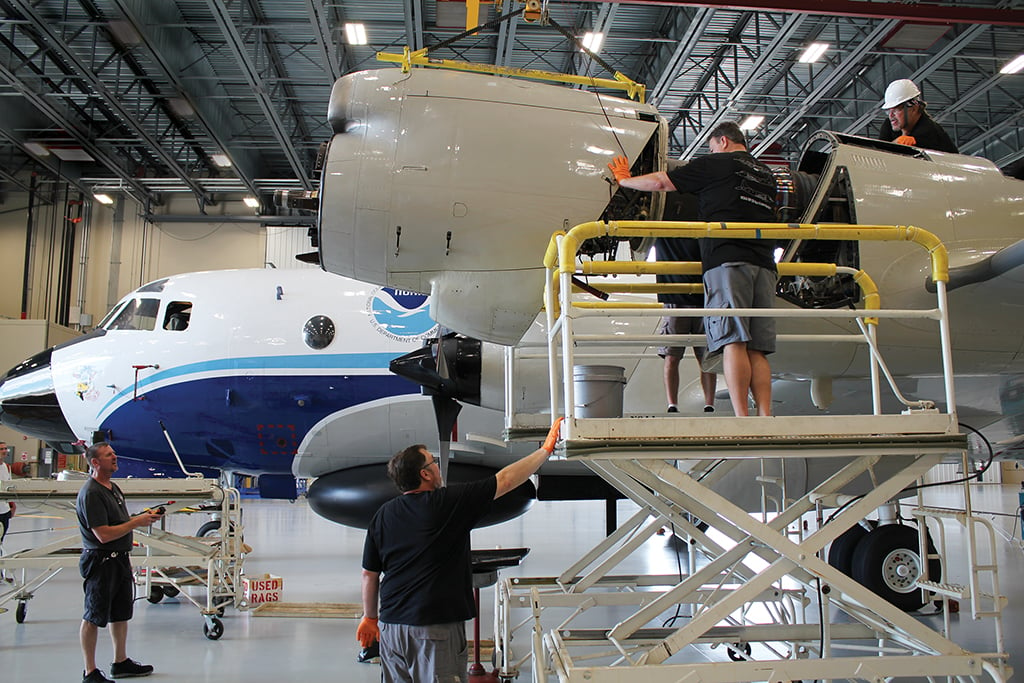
{"x": 419, "y": 543}
{"x": 731, "y": 186}
{"x": 106, "y": 529}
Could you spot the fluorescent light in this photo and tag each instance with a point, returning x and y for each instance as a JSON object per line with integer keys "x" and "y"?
{"x": 37, "y": 148}
{"x": 220, "y": 160}
{"x": 592, "y": 41}
{"x": 355, "y": 34}
{"x": 1014, "y": 65}
{"x": 103, "y": 198}
{"x": 751, "y": 122}
{"x": 251, "y": 202}
{"x": 813, "y": 52}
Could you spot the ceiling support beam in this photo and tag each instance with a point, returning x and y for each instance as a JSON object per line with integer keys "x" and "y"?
{"x": 82, "y": 70}
{"x": 832, "y": 80}
{"x": 45, "y": 106}
{"x": 179, "y": 60}
{"x": 793, "y": 22}
{"x": 236, "y": 45}
{"x": 918, "y": 13}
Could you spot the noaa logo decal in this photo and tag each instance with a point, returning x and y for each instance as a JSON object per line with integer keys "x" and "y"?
{"x": 400, "y": 315}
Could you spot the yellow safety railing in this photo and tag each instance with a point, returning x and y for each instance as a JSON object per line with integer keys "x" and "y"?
{"x": 561, "y": 264}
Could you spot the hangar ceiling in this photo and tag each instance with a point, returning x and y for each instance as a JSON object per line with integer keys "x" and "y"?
{"x": 149, "y": 97}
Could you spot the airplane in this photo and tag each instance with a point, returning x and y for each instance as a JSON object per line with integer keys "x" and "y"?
{"x": 461, "y": 206}
{"x": 277, "y": 373}
{"x": 452, "y": 184}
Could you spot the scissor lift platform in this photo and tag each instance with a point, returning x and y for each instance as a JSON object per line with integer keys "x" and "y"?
{"x": 765, "y": 592}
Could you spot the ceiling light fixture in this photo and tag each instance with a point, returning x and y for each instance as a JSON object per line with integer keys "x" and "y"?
{"x": 221, "y": 160}
{"x": 355, "y": 34}
{"x": 592, "y": 40}
{"x": 1014, "y": 65}
{"x": 251, "y": 202}
{"x": 813, "y": 52}
{"x": 752, "y": 122}
{"x": 103, "y": 198}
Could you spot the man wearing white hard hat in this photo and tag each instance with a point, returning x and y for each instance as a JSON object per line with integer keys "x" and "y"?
{"x": 908, "y": 123}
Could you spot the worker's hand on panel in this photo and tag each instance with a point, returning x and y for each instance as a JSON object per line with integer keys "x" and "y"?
{"x": 620, "y": 168}
{"x": 909, "y": 140}
{"x": 553, "y": 434}
{"x": 368, "y": 632}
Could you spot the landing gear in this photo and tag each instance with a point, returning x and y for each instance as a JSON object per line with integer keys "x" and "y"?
{"x": 887, "y": 561}
{"x": 21, "y": 612}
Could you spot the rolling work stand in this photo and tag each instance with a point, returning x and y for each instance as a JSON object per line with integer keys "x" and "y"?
{"x": 764, "y": 596}
{"x": 164, "y": 563}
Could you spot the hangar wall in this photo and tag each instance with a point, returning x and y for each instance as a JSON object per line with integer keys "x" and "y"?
{"x": 111, "y": 251}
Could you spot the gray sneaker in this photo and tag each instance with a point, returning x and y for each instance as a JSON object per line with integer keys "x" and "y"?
{"x": 129, "y": 668}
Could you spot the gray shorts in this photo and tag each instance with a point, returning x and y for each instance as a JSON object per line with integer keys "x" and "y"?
{"x": 680, "y": 325}
{"x": 436, "y": 653}
{"x": 740, "y": 285}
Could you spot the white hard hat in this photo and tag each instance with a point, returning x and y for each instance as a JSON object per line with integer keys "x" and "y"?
{"x": 899, "y": 92}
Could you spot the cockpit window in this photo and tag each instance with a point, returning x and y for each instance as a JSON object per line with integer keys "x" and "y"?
{"x": 177, "y": 316}
{"x": 138, "y": 314}
{"x": 110, "y": 315}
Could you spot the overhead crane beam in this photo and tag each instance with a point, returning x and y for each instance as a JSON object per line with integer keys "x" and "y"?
{"x": 919, "y": 13}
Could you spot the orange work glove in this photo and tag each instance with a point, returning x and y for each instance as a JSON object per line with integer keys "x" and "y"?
{"x": 906, "y": 140}
{"x": 553, "y": 433}
{"x": 620, "y": 168}
{"x": 368, "y": 632}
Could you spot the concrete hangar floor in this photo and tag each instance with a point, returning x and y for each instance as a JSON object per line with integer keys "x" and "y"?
{"x": 320, "y": 562}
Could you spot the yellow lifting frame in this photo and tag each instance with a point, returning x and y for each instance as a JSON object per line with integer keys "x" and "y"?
{"x": 409, "y": 59}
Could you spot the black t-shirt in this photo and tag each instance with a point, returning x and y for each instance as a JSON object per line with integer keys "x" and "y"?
{"x": 679, "y": 249}
{"x": 927, "y": 133}
{"x": 420, "y": 542}
{"x": 731, "y": 187}
{"x": 97, "y": 505}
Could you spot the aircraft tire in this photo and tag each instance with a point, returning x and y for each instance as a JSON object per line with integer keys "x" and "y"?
{"x": 840, "y": 553}
{"x": 21, "y": 612}
{"x": 156, "y": 594}
{"x": 887, "y": 562}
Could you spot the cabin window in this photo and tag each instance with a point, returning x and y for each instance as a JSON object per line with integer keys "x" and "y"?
{"x": 318, "y": 332}
{"x": 137, "y": 314}
{"x": 177, "y": 316}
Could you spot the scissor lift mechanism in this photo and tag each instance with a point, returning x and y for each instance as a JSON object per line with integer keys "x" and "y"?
{"x": 217, "y": 566}
{"x": 661, "y": 464}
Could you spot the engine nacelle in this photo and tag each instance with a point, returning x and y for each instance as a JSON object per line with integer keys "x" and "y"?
{"x": 452, "y": 183}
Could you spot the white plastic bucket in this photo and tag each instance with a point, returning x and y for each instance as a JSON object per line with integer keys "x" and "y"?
{"x": 598, "y": 390}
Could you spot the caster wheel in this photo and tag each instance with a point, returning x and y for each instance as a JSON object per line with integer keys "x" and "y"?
{"x": 21, "y": 612}
{"x": 214, "y": 630}
{"x": 155, "y": 594}
{"x": 734, "y": 652}
{"x": 170, "y": 591}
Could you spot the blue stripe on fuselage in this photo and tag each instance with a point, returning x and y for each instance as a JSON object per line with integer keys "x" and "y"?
{"x": 332, "y": 363}
{"x": 252, "y": 424}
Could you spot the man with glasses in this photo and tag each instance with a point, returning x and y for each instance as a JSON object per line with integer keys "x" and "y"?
{"x": 419, "y": 542}
{"x": 907, "y": 122}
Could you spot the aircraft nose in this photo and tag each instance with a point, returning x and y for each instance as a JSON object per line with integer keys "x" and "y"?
{"x": 28, "y": 401}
